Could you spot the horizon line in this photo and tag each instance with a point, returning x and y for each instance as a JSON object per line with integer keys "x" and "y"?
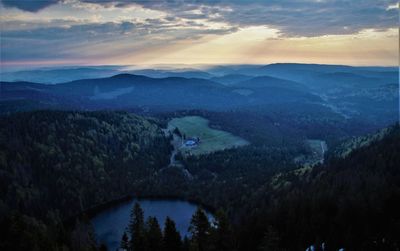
{"x": 174, "y": 66}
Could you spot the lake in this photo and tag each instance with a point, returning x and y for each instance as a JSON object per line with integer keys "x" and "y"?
{"x": 110, "y": 224}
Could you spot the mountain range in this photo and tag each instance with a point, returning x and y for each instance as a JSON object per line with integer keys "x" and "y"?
{"x": 363, "y": 93}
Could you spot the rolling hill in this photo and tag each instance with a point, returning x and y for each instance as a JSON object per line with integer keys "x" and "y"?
{"x": 231, "y": 79}
{"x": 58, "y": 75}
{"x": 134, "y": 91}
{"x": 365, "y": 94}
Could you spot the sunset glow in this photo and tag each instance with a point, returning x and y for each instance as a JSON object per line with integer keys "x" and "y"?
{"x": 217, "y": 32}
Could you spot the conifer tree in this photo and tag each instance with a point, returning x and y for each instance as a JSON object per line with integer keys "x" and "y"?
{"x": 172, "y": 239}
{"x": 154, "y": 236}
{"x": 200, "y": 230}
{"x": 125, "y": 241}
{"x": 136, "y": 229}
{"x": 222, "y": 234}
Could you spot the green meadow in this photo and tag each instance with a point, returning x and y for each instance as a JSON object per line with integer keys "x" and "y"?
{"x": 210, "y": 139}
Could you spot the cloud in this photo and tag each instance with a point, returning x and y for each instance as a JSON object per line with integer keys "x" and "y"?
{"x": 29, "y": 5}
{"x": 37, "y": 5}
{"x": 100, "y": 29}
{"x": 293, "y": 17}
{"x": 68, "y": 39}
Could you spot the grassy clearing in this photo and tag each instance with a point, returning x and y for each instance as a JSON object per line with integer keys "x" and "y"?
{"x": 210, "y": 139}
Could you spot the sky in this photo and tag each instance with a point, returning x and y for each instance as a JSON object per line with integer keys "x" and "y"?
{"x": 172, "y": 32}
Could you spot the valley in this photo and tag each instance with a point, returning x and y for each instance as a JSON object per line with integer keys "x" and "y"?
{"x": 260, "y": 149}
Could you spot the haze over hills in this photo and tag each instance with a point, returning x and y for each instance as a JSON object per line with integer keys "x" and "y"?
{"x": 59, "y": 75}
{"x": 231, "y": 79}
{"x": 348, "y": 91}
{"x": 270, "y": 82}
{"x": 184, "y": 73}
{"x": 177, "y": 90}
{"x": 56, "y": 74}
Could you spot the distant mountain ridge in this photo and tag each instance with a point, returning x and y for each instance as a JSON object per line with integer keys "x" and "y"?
{"x": 269, "y": 82}
{"x": 362, "y": 93}
{"x": 53, "y": 76}
{"x": 184, "y": 73}
{"x": 127, "y": 90}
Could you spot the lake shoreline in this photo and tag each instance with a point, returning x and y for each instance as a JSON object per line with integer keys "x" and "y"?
{"x": 95, "y": 210}
{"x": 112, "y": 220}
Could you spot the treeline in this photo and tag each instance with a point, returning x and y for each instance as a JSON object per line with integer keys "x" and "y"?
{"x": 147, "y": 235}
{"x": 262, "y": 130}
{"x": 285, "y": 125}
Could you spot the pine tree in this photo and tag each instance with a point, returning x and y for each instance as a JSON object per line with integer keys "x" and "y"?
{"x": 200, "y": 230}
{"x": 222, "y": 234}
{"x": 136, "y": 229}
{"x": 172, "y": 239}
{"x": 154, "y": 236}
{"x": 125, "y": 241}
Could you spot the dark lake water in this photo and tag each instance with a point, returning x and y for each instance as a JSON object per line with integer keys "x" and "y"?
{"x": 110, "y": 224}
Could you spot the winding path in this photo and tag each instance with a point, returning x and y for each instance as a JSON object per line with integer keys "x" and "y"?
{"x": 176, "y": 142}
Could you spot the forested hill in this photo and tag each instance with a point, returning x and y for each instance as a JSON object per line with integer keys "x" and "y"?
{"x": 349, "y": 202}
{"x": 77, "y": 154}
{"x": 54, "y": 164}
{"x": 347, "y": 147}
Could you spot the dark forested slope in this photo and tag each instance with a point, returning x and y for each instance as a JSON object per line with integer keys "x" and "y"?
{"x": 62, "y": 158}
{"x": 349, "y": 202}
{"x": 55, "y": 164}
